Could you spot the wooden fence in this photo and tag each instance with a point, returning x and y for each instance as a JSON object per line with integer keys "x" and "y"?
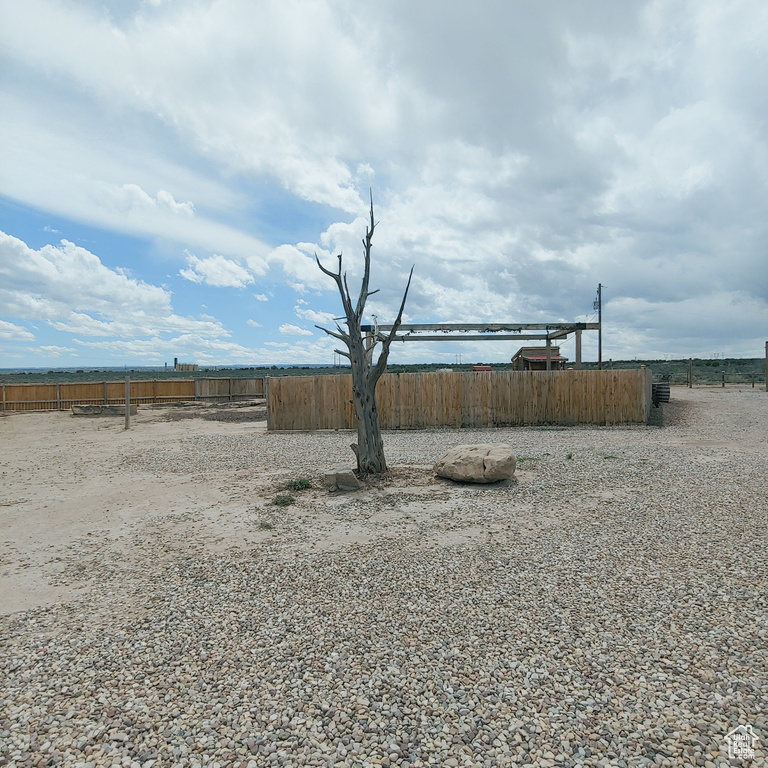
{"x": 41, "y": 397}
{"x": 465, "y": 399}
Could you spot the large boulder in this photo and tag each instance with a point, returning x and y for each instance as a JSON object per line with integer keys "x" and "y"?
{"x": 483, "y": 463}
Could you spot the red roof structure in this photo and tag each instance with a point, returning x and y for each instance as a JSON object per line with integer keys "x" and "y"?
{"x": 535, "y": 359}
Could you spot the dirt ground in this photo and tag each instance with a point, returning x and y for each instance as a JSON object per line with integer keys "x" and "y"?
{"x": 83, "y": 496}
{"x": 61, "y": 484}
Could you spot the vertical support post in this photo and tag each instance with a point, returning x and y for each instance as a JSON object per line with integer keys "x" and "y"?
{"x": 690, "y": 373}
{"x": 723, "y": 378}
{"x": 58, "y": 397}
{"x": 230, "y": 390}
{"x": 127, "y": 402}
{"x": 549, "y": 354}
{"x": 3, "y": 386}
{"x": 195, "y": 386}
{"x": 265, "y": 389}
{"x": 648, "y": 379}
{"x": 368, "y": 343}
{"x": 600, "y": 326}
{"x": 578, "y": 349}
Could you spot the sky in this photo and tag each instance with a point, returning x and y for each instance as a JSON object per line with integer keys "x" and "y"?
{"x": 170, "y": 168}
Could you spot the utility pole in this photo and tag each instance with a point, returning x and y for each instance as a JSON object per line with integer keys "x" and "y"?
{"x": 598, "y": 305}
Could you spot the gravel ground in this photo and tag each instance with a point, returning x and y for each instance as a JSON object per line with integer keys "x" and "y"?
{"x": 610, "y": 607}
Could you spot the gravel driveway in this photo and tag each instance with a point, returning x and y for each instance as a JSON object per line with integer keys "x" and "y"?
{"x": 609, "y": 607}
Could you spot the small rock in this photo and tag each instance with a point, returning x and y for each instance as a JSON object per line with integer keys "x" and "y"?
{"x": 341, "y": 479}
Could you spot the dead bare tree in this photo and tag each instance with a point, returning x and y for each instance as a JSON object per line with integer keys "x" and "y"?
{"x": 369, "y": 448}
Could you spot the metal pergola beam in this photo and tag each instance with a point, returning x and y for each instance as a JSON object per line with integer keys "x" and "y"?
{"x": 485, "y": 332}
{"x": 487, "y": 327}
{"x": 473, "y": 337}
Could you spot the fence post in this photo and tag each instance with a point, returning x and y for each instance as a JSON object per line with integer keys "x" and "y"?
{"x": 4, "y": 390}
{"x": 230, "y": 390}
{"x": 766, "y": 366}
{"x": 690, "y": 373}
{"x": 58, "y": 397}
{"x": 723, "y": 377}
{"x": 106, "y": 399}
{"x": 195, "y": 386}
{"x": 578, "y": 350}
{"x": 127, "y": 402}
{"x": 265, "y": 390}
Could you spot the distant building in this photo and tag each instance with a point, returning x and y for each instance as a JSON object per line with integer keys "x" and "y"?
{"x": 177, "y": 366}
{"x": 535, "y": 359}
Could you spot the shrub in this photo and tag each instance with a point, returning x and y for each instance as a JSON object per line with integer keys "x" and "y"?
{"x": 300, "y": 484}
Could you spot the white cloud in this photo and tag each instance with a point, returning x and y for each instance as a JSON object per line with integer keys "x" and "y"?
{"x": 70, "y": 168}
{"x": 131, "y": 197}
{"x": 133, "y": 65}
{"x": 13, "y": 332}
{"x": 54, "y": 351}
{"x": 254, "y": 324}
{"x": 216, "y": 270}
{"x": 299, "y": 352}
{"x": 69, "y": 288}
{"x": 191, "y": 347}
{"x": 294, "y": 330}
{"x": 313, "y": 316}
{"x": 517, "y": 156}
{"x": 299, "y": 267}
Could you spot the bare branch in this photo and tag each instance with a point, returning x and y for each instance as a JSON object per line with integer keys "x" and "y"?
{"x": 346, "y": 299}
{"x": 341, "y": 352}
{"x": 341, "y": 285}
{"x": 340, "y": 336}
{"x": 367, "y": 245}
{"x": 328, "y": 272}
{"x": 381, "y": 363}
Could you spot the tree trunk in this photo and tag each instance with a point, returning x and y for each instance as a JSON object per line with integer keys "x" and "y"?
{"x": 369, "y": 448}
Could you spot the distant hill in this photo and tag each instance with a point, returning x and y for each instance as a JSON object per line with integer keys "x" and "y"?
{"x": 736, "y": 370}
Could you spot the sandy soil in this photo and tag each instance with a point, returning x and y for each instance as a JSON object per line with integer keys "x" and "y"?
{"x": 62, "y": 484}
{"x": 82, "y": 495}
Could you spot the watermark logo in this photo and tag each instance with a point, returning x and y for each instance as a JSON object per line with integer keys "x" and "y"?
{"x": 741, "y": 742}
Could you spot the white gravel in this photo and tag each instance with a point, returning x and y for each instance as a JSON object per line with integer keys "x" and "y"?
{"x": 610, "y": 607}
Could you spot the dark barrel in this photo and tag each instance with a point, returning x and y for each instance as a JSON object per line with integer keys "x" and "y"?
{"x": 660, "y": 392}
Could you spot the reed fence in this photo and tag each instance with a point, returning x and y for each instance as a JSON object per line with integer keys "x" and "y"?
{"x": 465, "y": 399}
{"x": 41, "y": 397}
